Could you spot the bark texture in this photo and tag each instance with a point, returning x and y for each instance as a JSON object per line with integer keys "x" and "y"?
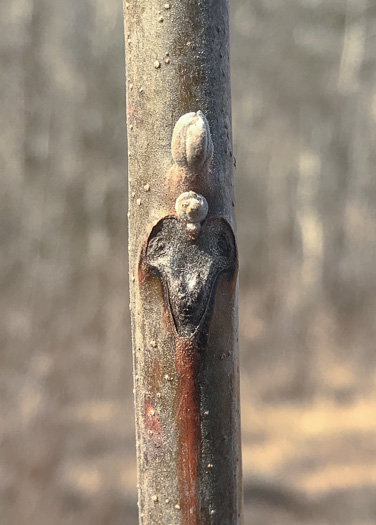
{"x": 183, "y": 262}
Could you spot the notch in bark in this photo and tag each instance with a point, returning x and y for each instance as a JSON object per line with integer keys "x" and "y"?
{"x": 183, "y": 263}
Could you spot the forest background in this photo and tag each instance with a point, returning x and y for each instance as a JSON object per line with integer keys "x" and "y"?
{"x": 304, "y": 122}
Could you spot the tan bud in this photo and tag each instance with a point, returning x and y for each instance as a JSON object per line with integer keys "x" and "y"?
{"x": 191, "y": 143}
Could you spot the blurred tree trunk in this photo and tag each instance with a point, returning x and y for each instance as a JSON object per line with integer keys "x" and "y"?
{"x": 183, "y": 262}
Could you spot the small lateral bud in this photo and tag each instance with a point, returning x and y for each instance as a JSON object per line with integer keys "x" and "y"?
{"x": 192, "y": 209}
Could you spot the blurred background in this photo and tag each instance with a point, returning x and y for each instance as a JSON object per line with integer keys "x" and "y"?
{"x": 304, "y": 123}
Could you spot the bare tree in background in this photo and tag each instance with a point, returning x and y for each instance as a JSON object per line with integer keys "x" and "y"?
{"x": 303, "y": 91}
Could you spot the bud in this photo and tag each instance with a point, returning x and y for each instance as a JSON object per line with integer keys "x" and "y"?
{"x": 191, "y": 143}
{"x": 192, "y": 209}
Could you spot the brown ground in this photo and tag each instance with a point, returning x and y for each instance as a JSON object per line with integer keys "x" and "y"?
{"x": 310, "y": 463}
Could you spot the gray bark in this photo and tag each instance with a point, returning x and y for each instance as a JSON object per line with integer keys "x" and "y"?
{"x": 183, "y": 262}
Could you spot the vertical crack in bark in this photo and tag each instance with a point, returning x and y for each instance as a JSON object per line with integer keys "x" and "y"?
{"x": 188, "y": 421}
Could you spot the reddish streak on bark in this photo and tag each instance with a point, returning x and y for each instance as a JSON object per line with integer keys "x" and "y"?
{"x": 154, "y": 434}
{"x": 189, "y": 426}
{"x": 131, "y": 113}
{"x": 152, "y": 423}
